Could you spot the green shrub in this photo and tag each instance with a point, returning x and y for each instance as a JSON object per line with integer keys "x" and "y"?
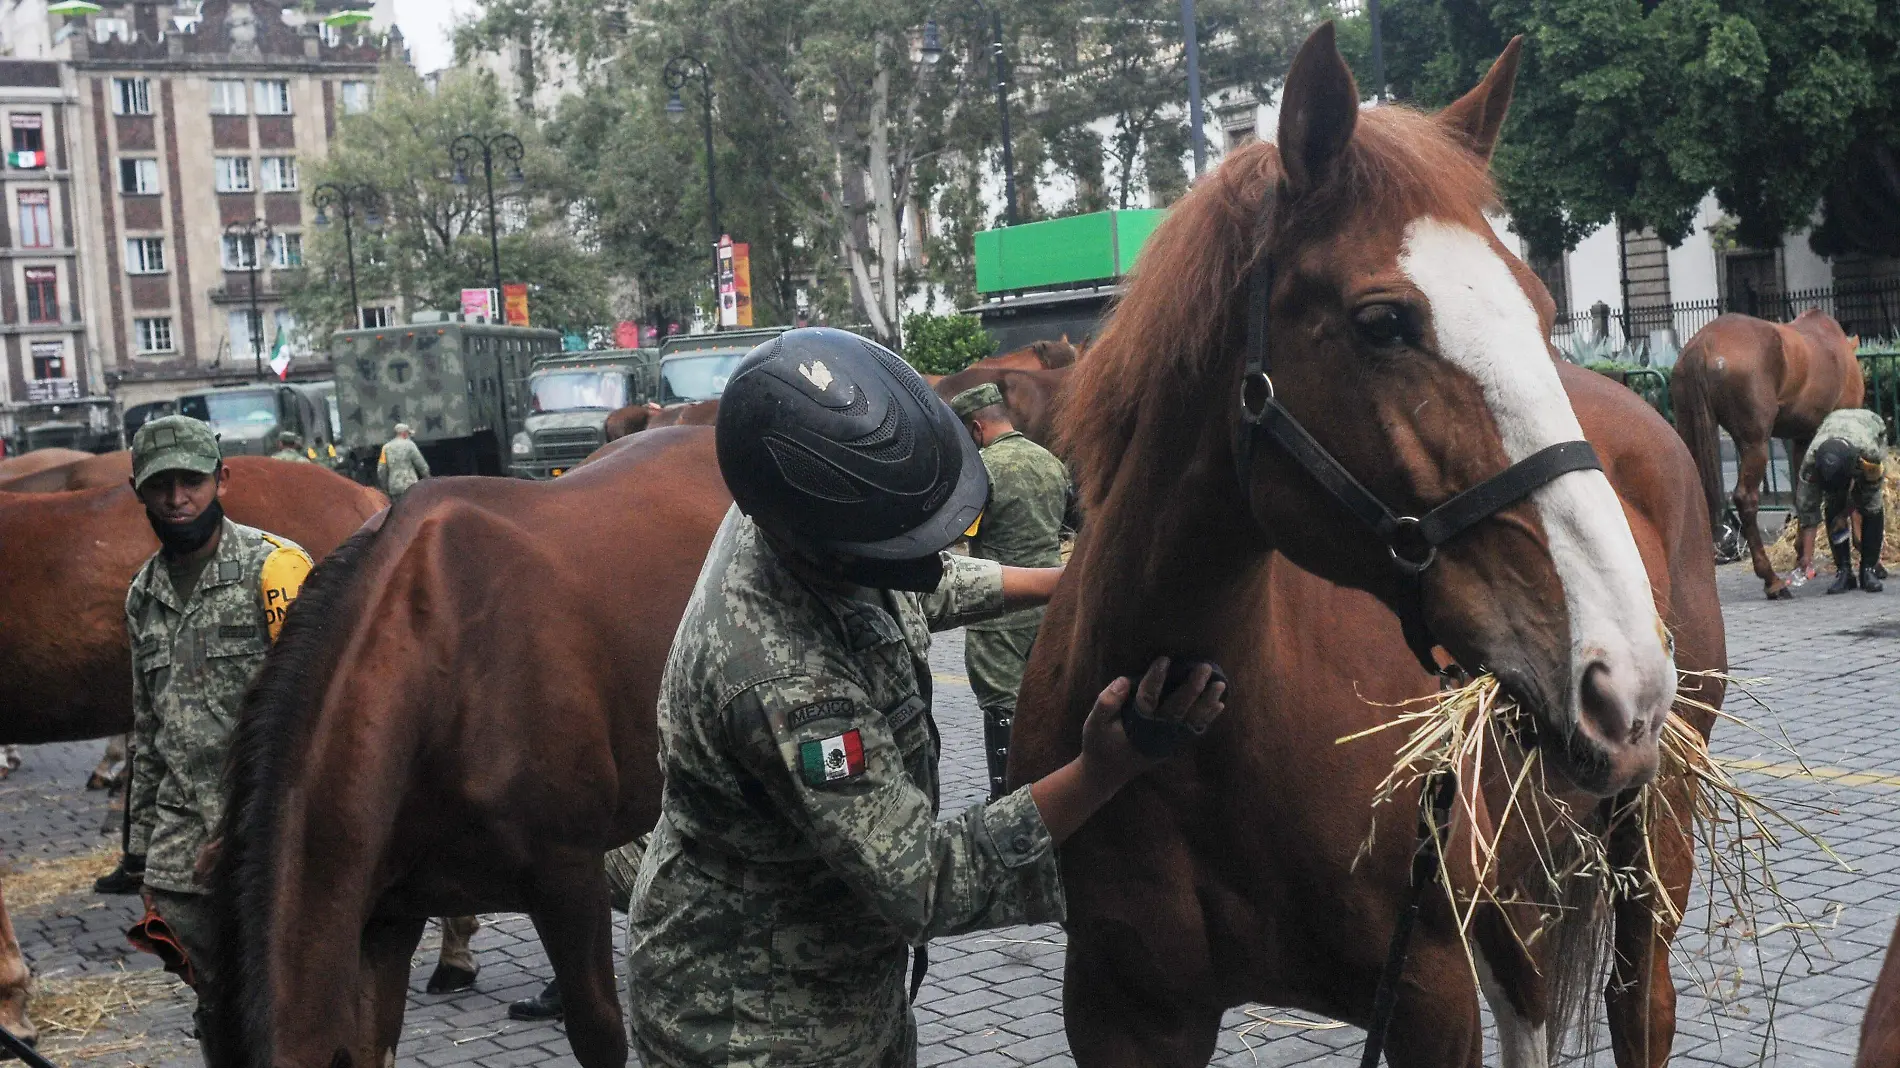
{"x": 944, "y": 344}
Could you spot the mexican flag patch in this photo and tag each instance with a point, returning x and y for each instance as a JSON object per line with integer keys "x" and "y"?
{"x": 832, "y": 759}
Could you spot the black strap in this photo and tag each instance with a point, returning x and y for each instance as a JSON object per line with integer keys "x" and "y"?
{"x": 17, "y": 1046}
{"x": 1433, "y": 825}
{"x": 1506, "y": 488}
{"x": 919, "y": 965}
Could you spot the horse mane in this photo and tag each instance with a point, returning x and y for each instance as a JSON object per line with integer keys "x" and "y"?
{"x": 266, "y": 752}
{"x": 1178, "y": 318}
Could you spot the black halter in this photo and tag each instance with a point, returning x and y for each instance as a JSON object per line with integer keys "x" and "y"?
{"x": 1412, "y": 541}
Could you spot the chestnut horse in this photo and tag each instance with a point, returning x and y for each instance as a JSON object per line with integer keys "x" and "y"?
{"x": 1757, "y": 380}
{"x": 637, "y": 417}
{"x": 32, "y": 463}
{"x": 1413, "y": 347}
{"x": 1880, "y": 1030}
{"x": 14, "y": 980}
{"x": 458, "y": 717}
{"x": 87, "y": 472}
{"x": 1030, "y": 396}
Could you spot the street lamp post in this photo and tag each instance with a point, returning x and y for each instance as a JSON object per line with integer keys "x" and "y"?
{"x": 678, "y": 70}
{"x": 254, "y": 231}
{"x": 346, "y": 200}
{"x": 1197, "y": 131}
{"x": 933, "y": 51}
{"x": 461, "y": 151}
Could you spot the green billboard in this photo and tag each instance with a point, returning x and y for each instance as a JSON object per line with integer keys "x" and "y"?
{"x": 1098, "y": 247}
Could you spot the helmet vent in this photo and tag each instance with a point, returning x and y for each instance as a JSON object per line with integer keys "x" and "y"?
{"x": 892, "y": 440}
{"x": 908, "y": 376}
{"x": 808, "y": 474}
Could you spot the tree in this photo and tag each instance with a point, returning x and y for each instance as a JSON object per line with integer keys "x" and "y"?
{"x": 1636, "y": 109}
{"x": 434, "y": 239}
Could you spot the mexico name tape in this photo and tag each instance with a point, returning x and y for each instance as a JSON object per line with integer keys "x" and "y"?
{"x": 833, "y": 759}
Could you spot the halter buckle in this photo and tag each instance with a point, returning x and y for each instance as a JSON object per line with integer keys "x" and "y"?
{"x": 1256, "y": 389}
{"x": 1407, "y": 535}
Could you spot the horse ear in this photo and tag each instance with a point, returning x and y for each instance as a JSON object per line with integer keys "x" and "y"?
{"x": 1478, "y": 115}
{"x": 1317, "y": 112}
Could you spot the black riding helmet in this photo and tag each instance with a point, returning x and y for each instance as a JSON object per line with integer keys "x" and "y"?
{"x": 1834, "y": 461}
{"x": 835, "y": 441}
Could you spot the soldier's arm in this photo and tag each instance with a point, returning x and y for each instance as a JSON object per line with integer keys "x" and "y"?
{"x": 1807, "y": 495}
{"x": 834, "y": 768}
{"x": 279, "y": 582}
{"x": 147, "y": 766}
{"x": 420, "y": 461}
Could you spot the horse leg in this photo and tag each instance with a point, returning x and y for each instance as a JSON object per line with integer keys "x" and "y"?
{"x": 388, "y": 945}
{"x": 1513, "y": 988}
{"x": 1436, "y": 1022}
{"x": 14, "y": 980}
{"x": 569, "y": 906}
{"x": 455, "y": 966}
{"x": 1641, "y": 996}
{"x": 1753, "y": 465}
{"x": 1120, "y": 1011}
{"x": 9, "y": 759}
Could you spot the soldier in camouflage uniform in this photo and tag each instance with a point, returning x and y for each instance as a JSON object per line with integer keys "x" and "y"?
{"x": 1844, "y": 471}
{"x": 798, "y": 853}
{"x": 201, "y": 614}
{"x": 290, "y": 447}
{"x": 400, "y": 464}
{"x": 1021, "y": 527}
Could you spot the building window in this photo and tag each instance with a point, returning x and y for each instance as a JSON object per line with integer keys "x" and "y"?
{"x": 227, "y": 97}
{"x": 131, "y": 96}
{"x": 29, "y": 142}
{"x": 247, "y": 333}
{"x": 155, "y": 335}
{"x": 240, "y": 252}
{"x": 42, "y": 295}
{"x": 273, "y": 97}
{"x": 138, "y": 176}
{"x": 1550, "y": 270}
{"x": 279, "y": 173}
{"x": 286, "y": 251}
{"x": 283, "y": 328}
{"x": 108, "y": 29}
{"x": 49, "y": 360}
{"x": 354, "y": 97}
{"x": 234, "y": 174}
{"x": 36, "y": 218}
{"x": 377, "y": 318}
{"x": 145, "y": 255}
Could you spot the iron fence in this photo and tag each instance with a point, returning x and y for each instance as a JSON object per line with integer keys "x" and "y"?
{"x": 1869, "y": 308}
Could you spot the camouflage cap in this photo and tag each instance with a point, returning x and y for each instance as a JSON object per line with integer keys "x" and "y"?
{"x": 975, "y": 399}
{"x": 174, "y": 443}
{"x": 289, "y": 437}
{"x": 402, "y": 428}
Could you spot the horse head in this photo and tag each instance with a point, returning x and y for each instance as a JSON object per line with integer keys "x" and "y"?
{"x": 1412, "y": 346}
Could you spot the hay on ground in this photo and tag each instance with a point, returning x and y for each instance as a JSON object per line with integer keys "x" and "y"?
{"x": 69, "y": 1009}
{"x": 49, "y": 880}
{"x": 1781, "y": 553}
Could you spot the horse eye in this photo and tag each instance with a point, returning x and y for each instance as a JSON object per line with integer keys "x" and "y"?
{"x": 1383, "y": 324}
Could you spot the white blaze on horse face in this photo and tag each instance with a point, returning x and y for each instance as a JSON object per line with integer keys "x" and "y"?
{"x": 1487, "y": 327}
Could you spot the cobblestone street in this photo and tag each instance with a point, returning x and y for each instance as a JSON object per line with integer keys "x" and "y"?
{"x": 995, "y": 998}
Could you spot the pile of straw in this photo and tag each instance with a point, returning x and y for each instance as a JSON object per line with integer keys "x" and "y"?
{"x": 49, "y": 880}
{"x": 70, "y": 1010}
{"x": 1781, "y": 554}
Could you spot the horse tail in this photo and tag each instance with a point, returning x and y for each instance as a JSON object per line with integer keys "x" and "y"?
{"x": 1691, "y": 393}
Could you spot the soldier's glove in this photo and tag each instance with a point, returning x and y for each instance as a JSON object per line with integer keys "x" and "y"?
{"x": 1158, "y": 739}
{"x": 1871, "y": 471}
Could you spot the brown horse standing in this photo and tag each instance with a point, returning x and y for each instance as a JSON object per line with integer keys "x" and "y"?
{"x": 1414, "y": 347}
{"x": 31, "y": 463}
{"x": 459, "y": 717}
{"x": 1030, "y": 396}
{"x": 87, "y": 472}
{"x": 1757, "y": 380}
{"x": 637, "y": 417}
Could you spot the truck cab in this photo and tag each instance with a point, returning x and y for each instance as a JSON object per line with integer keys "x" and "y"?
{"x": 248, "y": 416}
{"x": 695, "y": 367}
{"x": 569, "y": 399}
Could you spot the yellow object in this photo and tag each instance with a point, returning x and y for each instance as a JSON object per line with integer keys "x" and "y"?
{"x": 558, "y": 472}
{"x": 1870, "y": 470}
{"x": 282, "y": 579}
{"x": 977, "y": 522}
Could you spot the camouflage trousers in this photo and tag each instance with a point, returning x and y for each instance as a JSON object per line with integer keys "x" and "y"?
{"x": 995, "y": 660}
{"x": 194, "y": 924}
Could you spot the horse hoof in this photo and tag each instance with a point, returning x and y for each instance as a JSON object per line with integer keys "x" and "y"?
{"x": 447, "y": 979}
{"x": 1782, "y": 594}
{"x": 96, "y": 781}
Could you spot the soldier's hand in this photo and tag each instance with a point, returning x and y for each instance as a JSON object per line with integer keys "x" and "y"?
{"x": 1195, "y": 703}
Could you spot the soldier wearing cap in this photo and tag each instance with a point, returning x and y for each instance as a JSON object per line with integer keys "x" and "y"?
{"x": 201, "y": 614}
{"x": 1843, "y": 473}
{"x": 1020, "y": 527}
{"x": 400, "y": 465}
{"x": 290, "y": 447}
{"x": 798, "y": 852}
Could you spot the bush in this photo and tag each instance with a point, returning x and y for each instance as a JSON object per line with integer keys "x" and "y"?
{"x": 944, "y": 344}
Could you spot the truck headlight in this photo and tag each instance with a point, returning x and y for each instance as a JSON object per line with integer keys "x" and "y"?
{"x": 524, "y": 445}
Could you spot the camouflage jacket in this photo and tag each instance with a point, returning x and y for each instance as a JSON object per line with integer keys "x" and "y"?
{"x": 1862, "y": 429}
{"x": 192, "y": 659}
{"x": 400, "y": 466}
{"x": 798, "y": 851}
{"x": 1022, "y": 525}
{"x": 290, "y": 454}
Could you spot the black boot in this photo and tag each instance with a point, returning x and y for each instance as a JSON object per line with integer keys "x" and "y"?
{"x": 127, "y": 878}
{"x": 543, "y": 1006}
{"x": 1843, "y": 552}
{"x": 1873, "y": 531}
{"x": 996, "y": 749}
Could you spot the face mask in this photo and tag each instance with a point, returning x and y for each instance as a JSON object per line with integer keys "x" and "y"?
{"x": 918, "y": 576}
{"x": 183, "y": 539}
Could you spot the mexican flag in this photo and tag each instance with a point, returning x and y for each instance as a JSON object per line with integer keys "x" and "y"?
{"x": 280, "y": 356}
{"x": 832, "y": 759}
{"x": 27, "y": 160}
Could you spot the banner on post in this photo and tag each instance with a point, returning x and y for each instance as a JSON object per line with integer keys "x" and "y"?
{"x": 479, "y": 305}
{"x": 626, "y": 334}
{"x": 514, "y": 296}
{"x": 735, "y": 283}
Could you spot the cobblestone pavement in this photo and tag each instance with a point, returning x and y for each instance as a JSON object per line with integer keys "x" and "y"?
{"x": 995, "y": 998}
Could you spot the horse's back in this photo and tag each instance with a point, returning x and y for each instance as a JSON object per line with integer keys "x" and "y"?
{"x": 40, "y": 471}
{"x": 1832, "y": 370}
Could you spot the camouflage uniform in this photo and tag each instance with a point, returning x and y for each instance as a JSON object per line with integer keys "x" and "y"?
{"x": 290, "y": 447}
{"x": 400, "y": 466}
{"x": 1021, "y": 527}
{"x": 797, "y": 853}
{"x": 1865, "y": 431}
{"x": 290, "y": 454}
{"x": 194, "y": 653}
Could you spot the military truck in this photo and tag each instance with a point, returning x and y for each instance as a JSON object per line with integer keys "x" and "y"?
{"x": 1057, "y": 278}
{"x": 249, "y": 415}
{"x": 89, "y": 424}
{"x": 461, "y": 386}
{"x": 569, "y": 399}
{"x": 695, "y": 367}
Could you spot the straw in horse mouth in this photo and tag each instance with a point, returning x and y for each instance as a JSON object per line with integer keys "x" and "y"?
{"x": 1478, "y": 728}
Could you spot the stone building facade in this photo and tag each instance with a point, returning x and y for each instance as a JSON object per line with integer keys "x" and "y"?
{"x": 193, "y": 117}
